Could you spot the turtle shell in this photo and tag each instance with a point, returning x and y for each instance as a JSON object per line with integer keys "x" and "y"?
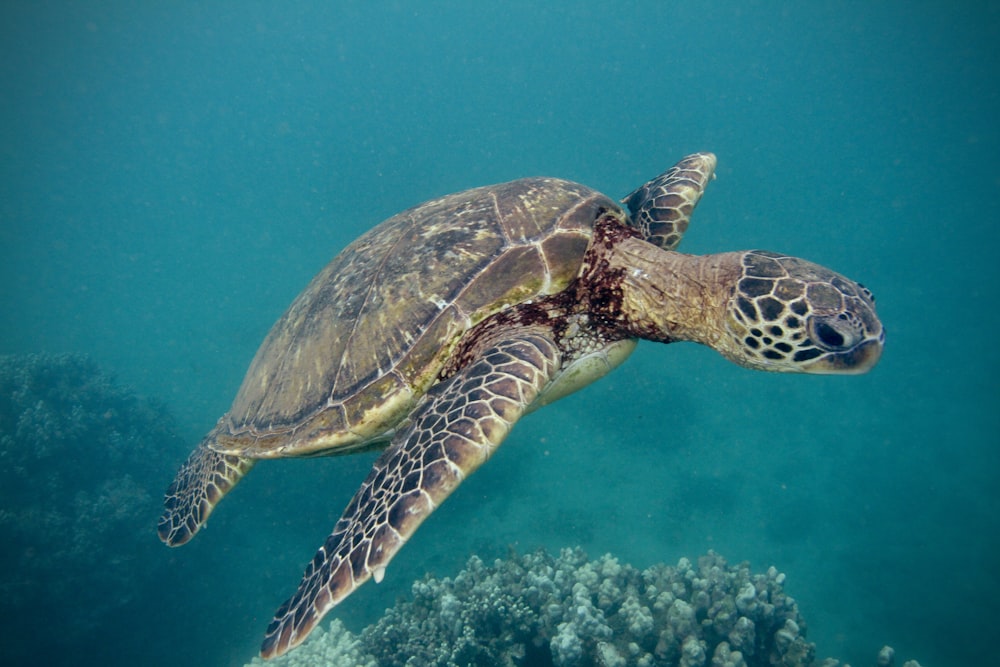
{"x": 373, "y": 331}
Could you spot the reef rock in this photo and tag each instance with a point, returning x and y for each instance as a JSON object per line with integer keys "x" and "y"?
{"x": 81, "y": 464}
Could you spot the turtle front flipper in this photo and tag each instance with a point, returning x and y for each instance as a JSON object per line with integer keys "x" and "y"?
{"x": 453, "y": 431}
{"x": 200, "y": 483}
{"x": 661, "y": 208}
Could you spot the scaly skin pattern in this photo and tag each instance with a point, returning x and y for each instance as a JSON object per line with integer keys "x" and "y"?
{"x": 455, "y": 430}
{"x": 201, "y": 482}
{"x": 661, "y": 208}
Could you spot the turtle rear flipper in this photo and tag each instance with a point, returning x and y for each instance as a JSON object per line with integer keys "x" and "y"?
{"x": 450, "y": 435}
{"x": 200, "y": 483}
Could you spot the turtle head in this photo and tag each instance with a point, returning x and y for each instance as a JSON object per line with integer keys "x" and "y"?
{"x": 789, "y": 315}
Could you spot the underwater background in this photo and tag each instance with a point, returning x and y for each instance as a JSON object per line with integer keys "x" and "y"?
{"x": 174, "y": 173}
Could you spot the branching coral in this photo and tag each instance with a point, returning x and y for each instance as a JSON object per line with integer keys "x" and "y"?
{"x": 540, "y": 610}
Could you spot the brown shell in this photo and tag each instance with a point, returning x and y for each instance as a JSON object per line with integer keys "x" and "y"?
{"x": 372, "y": 331}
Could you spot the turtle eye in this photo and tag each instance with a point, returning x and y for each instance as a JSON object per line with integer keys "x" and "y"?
{"x": 828, "y": 336}
{"x": 833, "y": 333}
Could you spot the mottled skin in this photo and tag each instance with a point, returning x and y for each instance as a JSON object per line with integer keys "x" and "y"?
{"x": 434, "y": 332}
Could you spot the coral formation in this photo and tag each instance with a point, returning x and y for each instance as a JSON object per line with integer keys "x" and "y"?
{"x": 81, "y": 462}
{"x": 540, "y": 610}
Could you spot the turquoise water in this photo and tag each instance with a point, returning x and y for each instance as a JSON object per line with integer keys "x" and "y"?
{"x": 174, "y": 173}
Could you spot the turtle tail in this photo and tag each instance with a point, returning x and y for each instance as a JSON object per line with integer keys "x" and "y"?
{"x": 200, "y": 483}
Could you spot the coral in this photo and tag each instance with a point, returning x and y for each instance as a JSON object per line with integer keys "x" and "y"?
{"x": 81, "y": 464}
{"x": 540, "y": 610}
{"x": 335, "y": 646}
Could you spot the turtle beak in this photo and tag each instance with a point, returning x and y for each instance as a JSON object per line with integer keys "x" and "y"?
{"x": 855, "y": 361}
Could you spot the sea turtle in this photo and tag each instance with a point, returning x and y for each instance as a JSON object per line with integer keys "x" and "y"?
{"x": 433, "y": 333}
